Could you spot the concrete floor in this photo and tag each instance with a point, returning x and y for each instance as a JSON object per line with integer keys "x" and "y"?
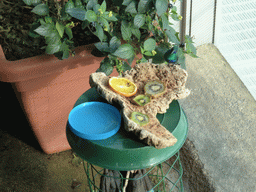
{"x": 222, "y": 122}
{"x": 219, "y": 154}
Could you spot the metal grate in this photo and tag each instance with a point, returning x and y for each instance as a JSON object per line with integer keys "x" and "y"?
{"x": 236, "y": 38}
{"x": 166, "y": 176}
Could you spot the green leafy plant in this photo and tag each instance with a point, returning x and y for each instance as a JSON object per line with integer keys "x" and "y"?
{"x": 124, "y": 29}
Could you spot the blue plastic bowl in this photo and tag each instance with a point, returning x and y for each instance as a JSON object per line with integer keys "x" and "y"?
{"x": 94, "y": 120}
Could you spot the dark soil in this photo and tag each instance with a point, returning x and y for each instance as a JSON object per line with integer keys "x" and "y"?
{"x": 16, "y": 20}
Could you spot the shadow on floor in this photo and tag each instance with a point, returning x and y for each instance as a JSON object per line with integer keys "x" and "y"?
{"x": 14, "y": 121}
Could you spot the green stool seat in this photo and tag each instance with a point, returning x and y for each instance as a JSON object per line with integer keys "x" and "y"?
{"x": 123, "y": 151}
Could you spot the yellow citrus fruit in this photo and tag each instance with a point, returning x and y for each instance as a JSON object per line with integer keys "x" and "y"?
{"x": 122, "y": 86}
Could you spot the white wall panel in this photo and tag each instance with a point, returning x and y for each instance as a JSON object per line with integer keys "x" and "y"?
{"x": 236, "y": 38}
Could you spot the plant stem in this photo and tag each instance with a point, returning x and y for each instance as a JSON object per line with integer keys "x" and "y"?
{"x": 126, "y": 181}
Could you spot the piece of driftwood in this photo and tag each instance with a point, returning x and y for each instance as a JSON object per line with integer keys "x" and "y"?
{"x": 174, "y": 78}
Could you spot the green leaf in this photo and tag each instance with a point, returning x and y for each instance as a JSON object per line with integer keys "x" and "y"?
{"x": 106, "y": 16}
{"x": 91, "y": 4}
{"x": 64, "y": 15}
{"x": 136, "y": 32}
{"x": 150, "y": 27}
{"x": 32, "y": 32}
{"x": 126, "y": 66}
{"x": 41, "y": 9}
{"x": 125, "y": 51}
{"x": 150, "y": 45}
{"x": 147, "y": 53}
{"x": 42, "y": 21}
{"x": 69, "y": 5}
{"x": 190, "y": 48}
{"x": 139, "y": 20}
{"x": 60, "y": 28}
{"x": 171, "y": 33}
{"x": 102, "y": 46}
{"x": 103, "y": 6}
{"x": 174, "y": 9}
{"x": 160, "y": 51}
{"x": 27, "y": 2}
{"x": 175, "y": 17}
{"x": 96, "y": 8}
{"x": 106, "y": 66}
{"x": 85, "y": 24}
{"x": 48, "y": 19}
{"x": 79, "y": 4}
{"x": 143, "y": 60}
{"x": 126, "y": 2}
{"x": 32, "y": 2}
{"x": 131, "y": 8}
{"x": 53, "y": 48}
{"x": 69, "y": 32}
{"x": 114, "y": 44}
{"x": 143, "y": 6}
{"x": 65, "y": 54}
{"x": 174, "y": 14}
{"x": 165, "y": 22}
{"x": 99, "y": 32}
{"x": 36, "y": 2}
{"x": 77, "y": 13}
{"x": 65, "y": 50}
{"x": 130, "y": 60}
{"x": 126, "y": 30}
{"x": 45, "y": 30}
{"x": 91, "y": 16}
{"x": 53, "y": 37}
{"x": 188, "y": 39}
{"x": 161, "y": 7}
{"x": 104, "y": 23}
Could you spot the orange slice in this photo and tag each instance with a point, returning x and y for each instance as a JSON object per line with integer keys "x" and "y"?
{"x": 122, "y": 86}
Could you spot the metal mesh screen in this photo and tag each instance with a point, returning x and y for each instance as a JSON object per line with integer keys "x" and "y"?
{"x": 199, "y": 20}
{"x": 232, "y": 28}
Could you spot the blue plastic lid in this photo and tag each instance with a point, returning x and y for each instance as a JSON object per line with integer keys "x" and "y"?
{"x": 94, "y": 120}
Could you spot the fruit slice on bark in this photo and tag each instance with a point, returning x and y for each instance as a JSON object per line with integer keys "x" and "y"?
{"x": 139, "y": 118}
{"x": 154, "y": 88}
{"x": 141, "y": 100}
{"x": 123, "y": 86}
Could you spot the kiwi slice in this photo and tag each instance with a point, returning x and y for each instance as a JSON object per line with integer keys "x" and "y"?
{"x": 154, "y": 88}
{"x": 139, "y": 118}
{"x": 141, "y": 100}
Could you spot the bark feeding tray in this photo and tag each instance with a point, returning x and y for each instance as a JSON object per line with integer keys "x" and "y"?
{"x": 174, "y": 79}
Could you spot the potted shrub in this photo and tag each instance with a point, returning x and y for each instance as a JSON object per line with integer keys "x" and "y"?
{"x": 127, "y": 32}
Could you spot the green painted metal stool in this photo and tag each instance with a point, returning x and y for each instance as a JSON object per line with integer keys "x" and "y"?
{"x": 123, "y": 152}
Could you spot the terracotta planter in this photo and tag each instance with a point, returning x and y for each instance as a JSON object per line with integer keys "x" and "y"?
{"x": 48, "y": 89}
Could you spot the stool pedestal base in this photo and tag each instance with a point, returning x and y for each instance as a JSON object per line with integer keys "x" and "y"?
{"x": 164, "y": 177}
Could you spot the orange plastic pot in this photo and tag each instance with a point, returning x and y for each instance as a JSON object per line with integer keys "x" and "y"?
{"x": 47, "y": 89}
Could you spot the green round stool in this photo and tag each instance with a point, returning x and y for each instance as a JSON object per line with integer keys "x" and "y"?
{"x": 124, "y": 152}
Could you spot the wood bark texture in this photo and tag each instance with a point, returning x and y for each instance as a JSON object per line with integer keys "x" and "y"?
{"x": 172, "y": 76}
